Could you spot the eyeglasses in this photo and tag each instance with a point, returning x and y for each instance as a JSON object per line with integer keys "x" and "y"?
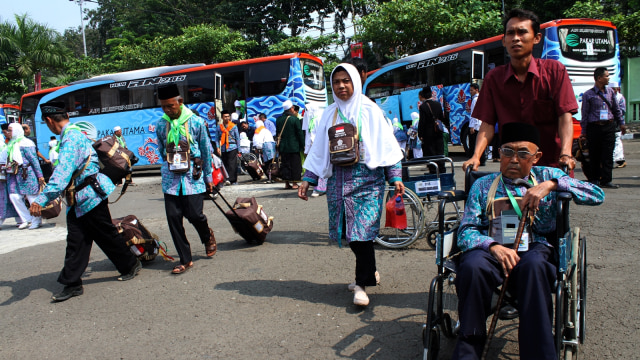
{"x": 522, "y": 154}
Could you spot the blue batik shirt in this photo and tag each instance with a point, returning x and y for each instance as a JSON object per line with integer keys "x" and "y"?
{"x": 75, "y": 149}
{"x": 200, "y": 147}
{"x": 474, "y": 227}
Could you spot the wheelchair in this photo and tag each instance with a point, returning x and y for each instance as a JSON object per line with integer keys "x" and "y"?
{"x": 421, "y": 203}
{"x": 570, "y": 291}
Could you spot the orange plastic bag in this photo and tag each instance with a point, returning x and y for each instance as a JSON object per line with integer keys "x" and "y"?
{"x": 396, "y": 215}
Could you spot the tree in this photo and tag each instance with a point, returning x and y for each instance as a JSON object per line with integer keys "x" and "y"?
{"x": 198, "y": 44}
{"x": 414, "y": 26}
{"x": 29, "y": 47}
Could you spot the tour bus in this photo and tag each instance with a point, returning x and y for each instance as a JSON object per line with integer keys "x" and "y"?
{"x": 129, "y": 99}
{"x": 580, "y": 44}
{"x": 9, "y": 113}
{"x": 29, "y": 104}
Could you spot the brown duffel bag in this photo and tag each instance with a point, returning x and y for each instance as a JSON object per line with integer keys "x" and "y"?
{"x": 115, "y": 161}
{"x": 249, "y": 220}
{"x": 142, "y": 243}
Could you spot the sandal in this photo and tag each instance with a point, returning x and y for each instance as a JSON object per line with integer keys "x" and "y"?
{"x": 179, "y": 269}
{"x": 294, "y": 187}
{"x": 211, "y": 247}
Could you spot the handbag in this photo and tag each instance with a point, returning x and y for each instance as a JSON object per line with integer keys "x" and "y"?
{"x": 344, "y": 149}
{"x": 52, "y": 209}
{"x": 438, "y": 125}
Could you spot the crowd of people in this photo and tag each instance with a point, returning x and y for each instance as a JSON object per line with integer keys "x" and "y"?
{"x": 525, "y": 110}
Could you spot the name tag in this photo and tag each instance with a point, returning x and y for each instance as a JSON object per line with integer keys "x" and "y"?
{"x": 604, "y": 115}
{"x": 510, "y": 230}
{"x": 363, "y": 152}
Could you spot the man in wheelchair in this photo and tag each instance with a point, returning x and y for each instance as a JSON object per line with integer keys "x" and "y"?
{"x": 486, "y": 234}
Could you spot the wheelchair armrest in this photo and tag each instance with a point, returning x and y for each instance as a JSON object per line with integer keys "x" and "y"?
{"x": 564, "y": 196}
{"x": 452, "y": 195}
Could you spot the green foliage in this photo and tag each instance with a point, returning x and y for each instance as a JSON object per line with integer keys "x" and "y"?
{"x": 417, "y": 25}
{"x": 11, "y": 86}
{"x": 29, "y": 47}
{"x": 316, "y": 46}
{"x": 198, "y": 44}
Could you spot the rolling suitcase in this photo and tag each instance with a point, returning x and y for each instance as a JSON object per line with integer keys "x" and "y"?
{"x": 142, "y": 243}
{"x": 247, "y": 218}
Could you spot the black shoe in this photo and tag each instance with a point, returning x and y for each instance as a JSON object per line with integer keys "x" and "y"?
{"x": 508, "y": 312}
{"x": 136, "y": 268}
{"x": 609, "y": 186}
{"x": 68, "y": 292}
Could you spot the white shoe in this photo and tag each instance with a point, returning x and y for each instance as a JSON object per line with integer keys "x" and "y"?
{"x": 315, "y": 194}
{"x": 23, "y": 226}
{"x": 353, "y": 285}
{"x": 360, "y": 297}
{"x": 35, "y": 225}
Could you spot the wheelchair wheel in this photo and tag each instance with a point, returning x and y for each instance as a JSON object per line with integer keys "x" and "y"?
{"x": 450, "y": 223}
{"x": 582, "y": 302}
{"x": 399, "y": 238}
{"x": 431, "y": 341}
{"x": 450, "y": 321}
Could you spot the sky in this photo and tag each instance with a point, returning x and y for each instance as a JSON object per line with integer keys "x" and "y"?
{"x": 57, "y": 14}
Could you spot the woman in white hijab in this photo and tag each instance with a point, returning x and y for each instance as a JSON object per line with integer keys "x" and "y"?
{"x": 355, "y": 193}
{"x": 6, "y": 207}
{"x": 20, "y": 154}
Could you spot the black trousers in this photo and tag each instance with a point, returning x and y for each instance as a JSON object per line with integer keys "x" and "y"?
{"x": 472, "y": 145}
{"x": 531, "y": 281}
{"x": 93, "y": 226}
{"x": 602, "y": 140}
{"x": 190, "y": 207}
{"x": 365, "y": 263}
{"x": 230, "y": 161}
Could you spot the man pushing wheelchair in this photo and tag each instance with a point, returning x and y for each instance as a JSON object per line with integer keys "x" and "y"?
{"x": 486, "y": 235}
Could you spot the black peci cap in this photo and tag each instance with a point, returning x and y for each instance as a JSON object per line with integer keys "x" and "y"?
{"x": 168, "y": 91}
{"x": 53, "y": 107}
{"x": 517, "y": 131}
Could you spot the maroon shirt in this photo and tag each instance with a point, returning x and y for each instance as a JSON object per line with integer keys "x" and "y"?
{"x": 545, "y": 95}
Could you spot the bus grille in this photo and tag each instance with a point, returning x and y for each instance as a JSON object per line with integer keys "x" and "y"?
{"x": 587, "y": 71}
{"x": 316, "y": 96}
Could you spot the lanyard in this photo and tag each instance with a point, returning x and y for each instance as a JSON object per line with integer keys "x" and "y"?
{"x": 512, "y": 199}
{"x": 344, "y": 119}
{"x": 69, "y": 127}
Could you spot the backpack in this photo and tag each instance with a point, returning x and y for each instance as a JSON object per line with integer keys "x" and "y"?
{"x": 115, "y": 161}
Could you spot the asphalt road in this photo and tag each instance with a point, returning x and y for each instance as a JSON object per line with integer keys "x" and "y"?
{"x": 286, "y": 299}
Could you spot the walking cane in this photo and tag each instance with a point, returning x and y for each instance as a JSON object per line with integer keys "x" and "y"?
{"x": 505, "y": 282}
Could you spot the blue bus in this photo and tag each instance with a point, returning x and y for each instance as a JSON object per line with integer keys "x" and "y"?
{"x": 129, "y": 99}
{"x": 580, "y": 44}
{"x": 9, "y": 113}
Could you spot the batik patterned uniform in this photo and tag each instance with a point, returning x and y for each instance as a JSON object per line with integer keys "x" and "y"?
{"x": 183, "y": 183}
{"x": 473, "y": 232}
{"x": 355, "y": 195}
{"x": 75, "y": 149}
{"x": 16, "y": 184}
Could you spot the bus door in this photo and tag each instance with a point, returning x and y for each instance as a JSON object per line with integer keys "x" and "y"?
{"x": 234, "y": 89}
{"x": 390, "y": 106}
{"x": 477, "y": 66}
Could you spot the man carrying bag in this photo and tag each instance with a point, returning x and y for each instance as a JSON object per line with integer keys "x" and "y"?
{"x": 88, "y": 216}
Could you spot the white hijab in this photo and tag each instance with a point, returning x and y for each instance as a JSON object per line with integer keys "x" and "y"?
{"x": 16, "y": 132}
{"x": 381, "y": 146}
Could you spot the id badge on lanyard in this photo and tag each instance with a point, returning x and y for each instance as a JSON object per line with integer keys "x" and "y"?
{"x": 363, "y": 152}
{"x": 604, "y": 115}
{"x": 509, "y": 226}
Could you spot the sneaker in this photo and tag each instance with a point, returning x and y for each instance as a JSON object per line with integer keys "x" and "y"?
{"x": 315, "y": 194}
{"x": 360, "y": 297}
{"x": 23, "y": 226}
{"x": 353, "y": 285}
{"x": 131, "y": 274}
{"x": 67, "y": 293}
{"x": 227, "y": 182}
{"x": 35, "y": 225}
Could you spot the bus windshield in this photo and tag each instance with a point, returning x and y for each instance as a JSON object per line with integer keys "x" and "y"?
{"x": 587, "y": 43}
{"x": 312, "y": 74}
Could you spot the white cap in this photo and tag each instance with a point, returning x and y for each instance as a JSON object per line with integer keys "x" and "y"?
{"x": 234, "y": 116}
{"x": 237, "y": 103}
{"x": 243, "y": 120}
{"x": 117, "y": 128}
{"x": 614, "y": 84}
{"x": 287, "y": 105}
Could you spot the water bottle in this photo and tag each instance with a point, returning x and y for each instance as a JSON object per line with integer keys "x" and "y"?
{"x": 399, "y": 206}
